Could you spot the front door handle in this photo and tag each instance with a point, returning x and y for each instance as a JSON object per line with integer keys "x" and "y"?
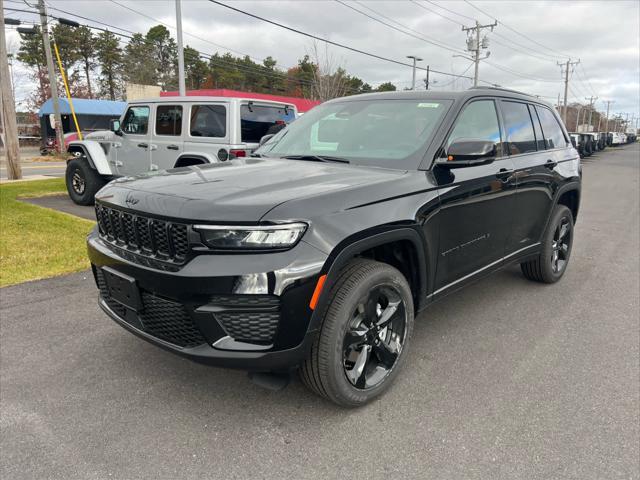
{"x": 143, "y": 145}
{"x": 551, "y": 164}
{"x": 504, "y": 173}
{"x": 173, "y": 147}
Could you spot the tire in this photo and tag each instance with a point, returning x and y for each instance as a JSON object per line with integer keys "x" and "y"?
{"x": 552, "y": 262}
{"x": 332, "y": 366}
{"x": 83, "y": 182}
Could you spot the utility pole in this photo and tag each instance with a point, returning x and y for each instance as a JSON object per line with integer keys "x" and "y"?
{"x": 52, "y": 75}
{"x": 592, "y": 100}
{"x": 608, "y": 102}
{"x": 181, "y": 82}
{"x": 413, "y": 77}
{"x": 8, "y": 109}
{"x": 475, "y": 45}
{"x": 426, "y": 79}
{"x": 566, "y": 67}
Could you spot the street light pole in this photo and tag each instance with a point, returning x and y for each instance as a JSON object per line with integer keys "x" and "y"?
{"x": 52, "y": 75}
{"x": 413, "y": 77}
{"x": 181, "y": 81}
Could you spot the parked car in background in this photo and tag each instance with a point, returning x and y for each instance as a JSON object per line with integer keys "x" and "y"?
{"x": 170, "y": 132}
{"x": 577, "y": 143}
{"x": 602, "y": 140}
{"x": 587, "y": 144}
{"x": 317, "y": 252}
{"x": 616, "y": 139}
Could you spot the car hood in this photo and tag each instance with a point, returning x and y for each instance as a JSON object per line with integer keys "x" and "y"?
{"x": 241, "y": 190}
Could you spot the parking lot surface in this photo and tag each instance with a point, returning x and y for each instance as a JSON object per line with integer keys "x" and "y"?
{"x": 505, "y": 379}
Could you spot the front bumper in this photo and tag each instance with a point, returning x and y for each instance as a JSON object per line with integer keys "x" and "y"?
{"x": 206, "y": 311}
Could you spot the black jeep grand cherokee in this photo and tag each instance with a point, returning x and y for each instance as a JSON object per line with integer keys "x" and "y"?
{"x": 319, "y": 251}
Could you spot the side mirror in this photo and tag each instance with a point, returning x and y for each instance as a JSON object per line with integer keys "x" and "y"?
{"x": 266, "y": 138}
{"x": 465, "y": 153}
{"x": 114, "y": 126}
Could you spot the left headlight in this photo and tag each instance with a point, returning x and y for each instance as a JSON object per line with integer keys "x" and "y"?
{"x": 258, "y": 237}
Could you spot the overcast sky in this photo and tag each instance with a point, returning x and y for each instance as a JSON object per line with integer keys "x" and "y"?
{"x": 604, "y": 35}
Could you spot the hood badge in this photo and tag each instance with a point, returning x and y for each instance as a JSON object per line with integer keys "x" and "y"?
{"x": 131, "y": 200}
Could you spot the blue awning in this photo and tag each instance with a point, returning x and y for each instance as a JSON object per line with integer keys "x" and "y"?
{"x": 85, "y": 106}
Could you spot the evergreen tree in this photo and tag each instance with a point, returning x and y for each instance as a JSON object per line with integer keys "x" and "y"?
{"x": 164, "y": 52}
{"x": 195, "y": 69}
{"x": 139, "y": 62}
{"x": 86, "y": 52}
{"x": 110, "y": 60}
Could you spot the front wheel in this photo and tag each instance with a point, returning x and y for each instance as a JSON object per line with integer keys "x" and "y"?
{"x": 557, "y": 241}
{"x": 83, "y": 182}
{"x": 365, "y": 331}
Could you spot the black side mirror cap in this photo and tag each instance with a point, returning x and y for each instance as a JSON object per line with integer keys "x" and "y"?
{"x": 466, "y": 153}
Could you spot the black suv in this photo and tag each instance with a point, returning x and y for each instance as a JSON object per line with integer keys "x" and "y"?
{"x": 317, "y": 252}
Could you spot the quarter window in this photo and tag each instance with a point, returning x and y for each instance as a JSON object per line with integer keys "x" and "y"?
{"x": 518, "y": 127}
{"x": 169, "y": 120}
{"x": 551, "y": 128}
{"x": 136, "y": 120}
{"x": 256, "y": 121}
{"x": 208, "y": 121}
{"x": 478, "y": 121}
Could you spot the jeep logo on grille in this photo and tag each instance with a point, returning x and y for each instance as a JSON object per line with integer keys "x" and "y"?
{"x": 131, "y": 200}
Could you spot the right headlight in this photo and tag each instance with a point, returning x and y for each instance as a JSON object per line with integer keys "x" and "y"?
{"x": 258, "y": 237}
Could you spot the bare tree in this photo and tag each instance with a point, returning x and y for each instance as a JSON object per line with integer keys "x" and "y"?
{"x": 329, "y": 79}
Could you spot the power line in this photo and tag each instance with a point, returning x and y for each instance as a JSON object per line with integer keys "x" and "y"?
{"x": 437, "y": 13}
{"x": 316, "y": 37}
{"x": 451, "y": 11}
{"x": 186, "y": 33}
{"x": 518, "y": 74}
{"x": 419, "y": 36}
{"x": 562, "y": 55}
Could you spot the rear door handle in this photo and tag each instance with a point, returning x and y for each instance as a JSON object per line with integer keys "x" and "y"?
{"x": 551, "y": 164}
{"x": 143, "y": 145}
{"x": 173, "y": 147}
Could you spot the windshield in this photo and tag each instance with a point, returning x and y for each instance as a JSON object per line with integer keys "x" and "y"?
{"x": 386, "y": 133}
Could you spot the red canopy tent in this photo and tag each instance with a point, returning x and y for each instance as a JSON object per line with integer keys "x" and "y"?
{"x": 302, "y": 104}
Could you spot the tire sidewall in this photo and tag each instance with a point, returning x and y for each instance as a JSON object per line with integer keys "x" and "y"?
{"x": 92, "y": 181}
{"x": 560, "y": 212}
{"x": 337, "y": 379}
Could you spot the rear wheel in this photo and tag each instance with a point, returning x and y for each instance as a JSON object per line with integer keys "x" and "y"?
{"x": 366, "y": 326}
{"x": 83, "y": 182}
{"x": 553, "y": 259}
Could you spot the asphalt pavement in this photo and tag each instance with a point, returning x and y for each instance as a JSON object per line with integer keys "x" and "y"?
{"x": 506, "y": 379}
{"x": 30, "y": 169}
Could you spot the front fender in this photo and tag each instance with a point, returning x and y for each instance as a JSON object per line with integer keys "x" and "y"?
{"x": 95, "y": 155}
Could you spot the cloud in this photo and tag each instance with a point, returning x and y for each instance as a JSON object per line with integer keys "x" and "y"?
{"x": 603, "y": 35}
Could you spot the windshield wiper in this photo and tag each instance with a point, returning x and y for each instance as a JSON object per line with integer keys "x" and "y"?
{"x": 317, "y": 158}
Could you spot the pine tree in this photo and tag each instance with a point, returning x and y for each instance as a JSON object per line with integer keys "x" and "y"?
{"x": 110, "y": 61}
{"x": 86, "y": 50}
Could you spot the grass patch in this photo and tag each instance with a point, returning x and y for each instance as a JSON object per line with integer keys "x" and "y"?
{"x": 37, "y": 242}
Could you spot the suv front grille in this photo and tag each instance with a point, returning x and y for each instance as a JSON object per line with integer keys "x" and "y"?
{"x": 149, "y": 237}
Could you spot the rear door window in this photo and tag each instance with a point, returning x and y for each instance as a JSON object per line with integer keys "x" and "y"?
{"x": 208, "y": 121}
{"x": 551, "y": 128}
{"x": 519, "y": 128}
{"x": 169, "y": 120}
{"x": 256, "y": 121}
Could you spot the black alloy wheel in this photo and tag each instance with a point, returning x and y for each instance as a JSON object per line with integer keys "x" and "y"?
{"x": 375, "y": 337}
{"x": 78, "y": 182}
{"x": 561, "y": 244}
{"x": 366, "y": 324}
{"x": 551, "y": 263}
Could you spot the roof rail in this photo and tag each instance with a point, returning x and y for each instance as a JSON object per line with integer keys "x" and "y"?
{"x": 502, "y": 89}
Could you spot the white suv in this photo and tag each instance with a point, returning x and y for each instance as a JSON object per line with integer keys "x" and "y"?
{"x": 169, "y": 132}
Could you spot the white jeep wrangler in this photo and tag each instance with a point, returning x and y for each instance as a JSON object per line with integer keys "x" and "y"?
{"x": 170, "y": 132}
